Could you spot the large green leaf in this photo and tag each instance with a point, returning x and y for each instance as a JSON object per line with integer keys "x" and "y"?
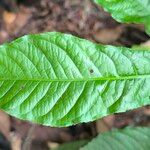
{"x": 60, "y": 80}
{"x": 129, "y": 11}
{"x": 126, "y": 139}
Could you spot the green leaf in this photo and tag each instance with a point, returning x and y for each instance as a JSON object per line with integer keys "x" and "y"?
{"x": 128, "y": 11}
{"x": 126, "y": 139}
{"x": 59, "y": 80}
{"x": 76, "y": 145}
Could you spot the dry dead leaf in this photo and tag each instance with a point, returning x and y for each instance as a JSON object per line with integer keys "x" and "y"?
{"x": 4, "y": 124}
{"x": 15, "y": 141}
{"x": 147, "y": 43}
{"x": 106, "y": 35}
{"x": 105, "y": 124}
{"x": 9, "y": 17}
{"x": 52, "y": 145}
{"x": 146, "y": 111}
{"x": 16, "y": 21}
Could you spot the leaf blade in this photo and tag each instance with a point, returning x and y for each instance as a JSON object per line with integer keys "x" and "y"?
{"x": 60, "y": 80}
{"x": 128, "y": 138}
{"x": 137, "y": 11}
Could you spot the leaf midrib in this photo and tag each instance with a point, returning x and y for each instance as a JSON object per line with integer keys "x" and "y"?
{"x": 82, "y": 79}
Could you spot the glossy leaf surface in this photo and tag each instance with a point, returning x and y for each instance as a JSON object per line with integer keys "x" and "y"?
{"x": 59, "y": 80}
{"x": 128, "y": 11}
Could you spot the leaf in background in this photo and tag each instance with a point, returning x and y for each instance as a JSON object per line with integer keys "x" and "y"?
{"x": 128, "y": 11}
{"x": 59, "y": 80}
{"x": 76, "y": 145}
{"x": 126, "y": 139}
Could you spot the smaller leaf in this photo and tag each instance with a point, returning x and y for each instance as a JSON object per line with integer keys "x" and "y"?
{"x": 128, "y": 11}
{"x": 126, "y": 139}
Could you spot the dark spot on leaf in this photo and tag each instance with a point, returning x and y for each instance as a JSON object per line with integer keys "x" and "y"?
{"x": 91, "y": 71}
{"x": 22, "y": 87}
